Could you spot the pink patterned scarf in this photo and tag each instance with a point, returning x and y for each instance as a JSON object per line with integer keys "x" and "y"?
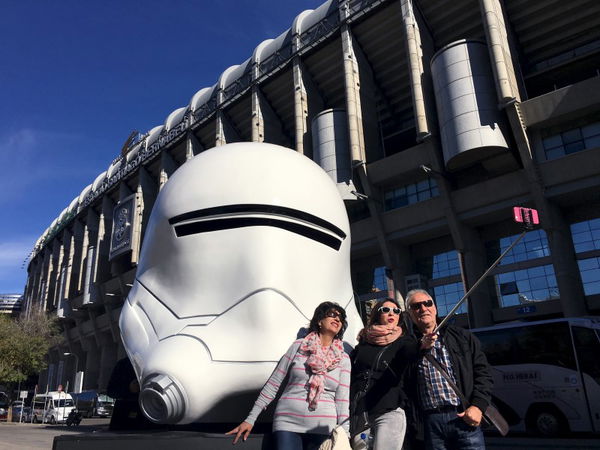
{"x": 380, "y": 334}
{"x": 320, "y": 360}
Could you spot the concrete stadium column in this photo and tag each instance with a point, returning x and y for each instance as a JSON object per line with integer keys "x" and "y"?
{"x": 108, "y": 359}
{"x": 85, "y": 242}
{"x": 497, "y": 36}
{"x": 564, "y": 260}
{"x": 474, "y": 265}
{"x": 92, "y": 366}
{"x": 353, "y": 107}
{"x": 352, "y": 79}
{"x": 54, "y": 272}
{"x": 78, "y": 257}
{"x": 168, "y": 166}
{"x": 225, "y": 131}
{"x": 69, "y": 240}
{"x": 273, "y": 128}
{"x": 308, "y": 102}
{"x": 560, "y": 241}
{"x": 147, "y": 191}
{"x": 103, "y": 241}
{"x": 113, "y": 320}
{"x": 258, "y": 121}
{"x": 192, "y": 147}
{"x": 401, "y": 267}
{"x": 423, "y": 107}
{"x": 28, "y": 294}
{"x": 59, "y": 252}
{"x": 45, "y": 284}
{"x": 36, "y": 275}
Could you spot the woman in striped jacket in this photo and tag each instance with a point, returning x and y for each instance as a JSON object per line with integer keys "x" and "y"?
{"x": 316, "y": 396}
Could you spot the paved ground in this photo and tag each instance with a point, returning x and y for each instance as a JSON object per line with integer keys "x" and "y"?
{"x": 17, "y": 436}
{"x": 31, "y": 436}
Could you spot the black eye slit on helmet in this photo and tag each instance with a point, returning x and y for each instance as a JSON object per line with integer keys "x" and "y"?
{"x": 289, "y": 219}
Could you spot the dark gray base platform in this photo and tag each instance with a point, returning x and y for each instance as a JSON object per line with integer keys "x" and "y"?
{"x": 159, "y": 440}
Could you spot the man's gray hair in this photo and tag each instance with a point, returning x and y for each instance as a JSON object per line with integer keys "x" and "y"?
{"x": 410, "y": 294}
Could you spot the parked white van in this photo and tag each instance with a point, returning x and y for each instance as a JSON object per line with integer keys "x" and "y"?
{"x": 52, "y": 407}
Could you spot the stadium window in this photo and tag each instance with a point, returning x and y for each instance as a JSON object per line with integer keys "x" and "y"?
{"x": 533, "y": 245}
{"x": 589, "y": 270}
{"x": 448, "y": 295}
{"x": 586, "y": 240}
{"x": 572, "y": 141}
{"x": 520, "y": 287}
{"x": 440, "y": 265}
{"x": 369, "y": 281}
{"x": 586, "y": 235}
{"x": 409, "y": 194}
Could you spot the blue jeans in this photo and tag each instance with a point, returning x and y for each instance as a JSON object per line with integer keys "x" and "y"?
{"x": 447, "y": 431}
{"x": 289, "y": 440}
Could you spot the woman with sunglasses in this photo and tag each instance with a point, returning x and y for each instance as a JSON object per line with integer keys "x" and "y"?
{"x": 379, "y": 363}
{"x": 316, "y": 396}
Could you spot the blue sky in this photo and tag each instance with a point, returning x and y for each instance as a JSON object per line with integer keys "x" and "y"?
{"x": 77, "y": 76}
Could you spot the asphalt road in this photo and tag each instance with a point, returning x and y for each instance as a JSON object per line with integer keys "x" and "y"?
{"x": 26, "y": 436}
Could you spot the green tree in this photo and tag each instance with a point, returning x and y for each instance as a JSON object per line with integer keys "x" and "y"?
{"x": 24, "y": 344}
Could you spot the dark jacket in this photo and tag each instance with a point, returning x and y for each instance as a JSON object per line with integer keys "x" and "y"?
{"x": 470, "y": 366}
{"x": 377, "y": 378}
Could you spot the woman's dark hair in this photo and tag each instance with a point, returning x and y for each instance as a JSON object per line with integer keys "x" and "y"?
{"x": 320, "y": 314}
{"x": 374, "y": 317}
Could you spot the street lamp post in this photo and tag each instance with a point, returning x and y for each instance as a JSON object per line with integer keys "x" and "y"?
{"x": 76, "y": 386}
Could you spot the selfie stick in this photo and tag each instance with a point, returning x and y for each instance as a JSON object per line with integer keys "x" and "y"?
{"x": 529, "y": 218}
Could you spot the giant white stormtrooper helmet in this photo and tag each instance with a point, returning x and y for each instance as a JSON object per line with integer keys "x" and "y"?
{"x": 243, "y": 242}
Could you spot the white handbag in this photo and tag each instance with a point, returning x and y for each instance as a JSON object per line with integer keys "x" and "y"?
{"x": 338, "y": 440}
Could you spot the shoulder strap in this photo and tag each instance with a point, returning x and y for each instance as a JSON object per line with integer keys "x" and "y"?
{"x": 446, "y": 375}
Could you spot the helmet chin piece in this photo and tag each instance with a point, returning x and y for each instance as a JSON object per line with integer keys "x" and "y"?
{"x": 161, "y": 399}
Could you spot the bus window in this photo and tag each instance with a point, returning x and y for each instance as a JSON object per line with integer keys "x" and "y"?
{"x": 539, "y": 344}
{"x": 497, "y": 346}
{"x": 588, "y": 350}
{"x": 546, "y": 344}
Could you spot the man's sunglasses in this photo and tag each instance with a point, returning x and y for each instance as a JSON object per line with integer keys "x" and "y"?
{"x": 417, "y": 305}
{"x": 387, "y": 309}
{"x": 333, "y": 314}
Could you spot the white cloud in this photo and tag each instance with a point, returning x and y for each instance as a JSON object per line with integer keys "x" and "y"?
{"x": 31, "y": 156}
{"x": 12, "y": 254}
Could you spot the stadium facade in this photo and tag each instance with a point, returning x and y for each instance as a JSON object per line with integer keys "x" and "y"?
{"x": 11, "y": 304}
{"x": 444, "y": 115}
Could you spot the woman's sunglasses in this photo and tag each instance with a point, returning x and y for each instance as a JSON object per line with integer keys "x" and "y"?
{"x": 333, "y": 314}
{"x": 387, "y": 309}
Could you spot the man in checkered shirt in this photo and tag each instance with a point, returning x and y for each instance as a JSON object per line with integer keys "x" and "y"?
{"x": 448, "y": 424}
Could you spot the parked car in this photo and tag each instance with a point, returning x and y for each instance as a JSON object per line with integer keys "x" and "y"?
{"x": 3, "y": 406}
{"x": 90, "y": 403}
{"x": 16, "y": 414}
{"x": 104, "y": 406}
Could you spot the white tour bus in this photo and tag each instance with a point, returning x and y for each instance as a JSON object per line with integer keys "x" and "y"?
{"x": 546, "y": 374}
{"x": 51, "y": 407}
